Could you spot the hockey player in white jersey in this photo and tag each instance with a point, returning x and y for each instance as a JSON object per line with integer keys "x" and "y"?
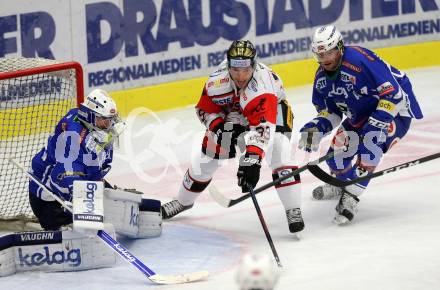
{"x": 243, "y": 100}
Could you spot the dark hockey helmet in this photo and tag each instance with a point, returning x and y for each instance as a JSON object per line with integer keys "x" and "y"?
{"x": 241, "y": 53}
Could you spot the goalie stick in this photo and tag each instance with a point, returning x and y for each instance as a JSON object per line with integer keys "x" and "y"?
{"x": 327, "y": 178}
{"x": 226, "y": 202}
{"x": 120, "y": 249}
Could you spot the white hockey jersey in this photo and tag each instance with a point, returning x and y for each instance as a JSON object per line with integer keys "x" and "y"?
{"x": 256, "y": 104}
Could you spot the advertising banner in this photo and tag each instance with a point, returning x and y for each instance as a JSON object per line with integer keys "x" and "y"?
{"x": 125, "y": 44}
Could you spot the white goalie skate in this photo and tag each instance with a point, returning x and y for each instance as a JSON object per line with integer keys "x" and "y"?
{"x": 326, "y": 191}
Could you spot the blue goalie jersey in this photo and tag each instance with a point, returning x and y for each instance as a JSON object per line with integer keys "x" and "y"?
{"x": 73, "y": 152}
{"x": 364, "y": 86}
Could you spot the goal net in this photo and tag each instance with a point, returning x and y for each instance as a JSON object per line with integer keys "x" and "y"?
{"x": 34, "y": 95}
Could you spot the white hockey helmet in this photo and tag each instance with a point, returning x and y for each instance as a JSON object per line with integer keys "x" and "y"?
{"x": 98, "y": 103}
{"x": 257, "y": 271}
{"x": 325, "y": 39}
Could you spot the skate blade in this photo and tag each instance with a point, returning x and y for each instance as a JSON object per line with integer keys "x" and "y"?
{"x": 296, "y": 237}
{"x": 340, "y": 220}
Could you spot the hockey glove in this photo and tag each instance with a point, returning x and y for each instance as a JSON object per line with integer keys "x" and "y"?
{"x": 310, "y": 137}
{"x": 223, "y": 131}
{"x": 375, "y": 131}
{"x": 248, "y": 172}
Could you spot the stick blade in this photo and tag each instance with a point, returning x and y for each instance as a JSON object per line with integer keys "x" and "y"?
{"x": 218, "y": 197}
{"x": 179, "y": 279}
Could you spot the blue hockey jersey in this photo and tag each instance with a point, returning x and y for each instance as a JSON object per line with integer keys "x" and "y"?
{"x": 72, "y": 153}
{"x": 364, "y": 86}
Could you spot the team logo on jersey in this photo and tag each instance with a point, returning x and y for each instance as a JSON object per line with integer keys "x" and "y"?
{"x": 385, "y": 88}
{"x": 321, "y": 83}
{"x": 346, "y": 77}
{"x": 338, "y": 91}
{"x": 351, "y": 66}
{"x": 224, "y": 100}
{"x": 260, "y": 107}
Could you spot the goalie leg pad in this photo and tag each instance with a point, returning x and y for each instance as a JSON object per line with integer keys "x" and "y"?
{"x": 7, "y": 259}
{"x": 131, "y": 215}
{"x": 150, "y": 219}
{"x": 53, "y": 251}
{"x": 122, "y": 210}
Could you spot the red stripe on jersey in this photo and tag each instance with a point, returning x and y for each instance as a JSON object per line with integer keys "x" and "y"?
{"x": 263, "y": 107}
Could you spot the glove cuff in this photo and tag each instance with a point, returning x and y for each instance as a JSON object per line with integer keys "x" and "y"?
{"x": 217, "y": 124}
{"x": 250, "y": 159}
{"x": 254, "y": 150}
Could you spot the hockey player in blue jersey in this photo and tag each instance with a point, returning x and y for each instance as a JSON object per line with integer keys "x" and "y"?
{"x": 80, "y": 149}
{"x": 377, "y": 102}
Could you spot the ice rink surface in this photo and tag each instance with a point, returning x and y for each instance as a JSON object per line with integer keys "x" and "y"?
{"x": 393, "y": 243}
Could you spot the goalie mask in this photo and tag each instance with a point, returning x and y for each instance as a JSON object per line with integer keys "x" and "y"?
{"x": 257, "y": 271}
{"x": 99, "y": 114}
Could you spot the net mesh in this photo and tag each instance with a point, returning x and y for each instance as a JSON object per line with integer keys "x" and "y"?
{"x": 30, "y": 107}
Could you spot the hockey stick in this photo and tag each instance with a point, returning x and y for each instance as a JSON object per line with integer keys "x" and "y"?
{"x": 327, "y": 178}
{"x": 121, "y": 250}
{"x": 226, "y": 202}
{"x": 265, "y": 228}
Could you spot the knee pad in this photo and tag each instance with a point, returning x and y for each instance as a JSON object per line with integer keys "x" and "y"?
{"x": 283, "y": 171}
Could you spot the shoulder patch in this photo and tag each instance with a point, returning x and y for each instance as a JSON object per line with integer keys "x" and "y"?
{"x": 385, "y": 89}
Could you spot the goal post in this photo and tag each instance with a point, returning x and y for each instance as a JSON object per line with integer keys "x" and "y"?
{"x": 35, "y": 94}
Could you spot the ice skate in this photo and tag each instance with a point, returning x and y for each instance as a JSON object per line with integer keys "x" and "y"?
{"x": 326, "y": 191}
{"x": 346, "y": 208}
{"x": 173, "y": 208}
{"x": 295, "y": 220}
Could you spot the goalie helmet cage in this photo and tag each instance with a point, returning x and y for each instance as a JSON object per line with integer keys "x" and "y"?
{"x": 35, "y": 94}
